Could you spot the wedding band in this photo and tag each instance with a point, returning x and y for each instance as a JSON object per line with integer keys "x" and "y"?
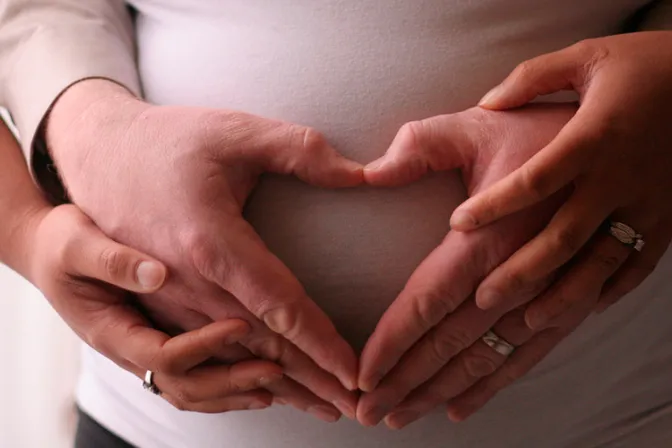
{"x": 148, "y": 383}
{"x": 497, "y": 344}
{"x": 626, "y": 235}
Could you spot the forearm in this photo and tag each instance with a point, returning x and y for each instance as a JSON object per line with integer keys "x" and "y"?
{"x": 21, "y": 205}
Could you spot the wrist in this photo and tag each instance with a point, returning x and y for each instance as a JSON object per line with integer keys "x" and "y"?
{"x": 19, "y": 234}
{"x": 80, "y": 116}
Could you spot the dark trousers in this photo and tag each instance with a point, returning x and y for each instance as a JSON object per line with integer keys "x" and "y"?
{"x": 90, "y": 434}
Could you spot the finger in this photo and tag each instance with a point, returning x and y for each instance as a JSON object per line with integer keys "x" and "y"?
{"x": 519, "y": 363}
{"x": 582, "y": 283}
{"x": 434, "y": 144}
{"x": 637, "y": 268}
{"x": 95, "y": 256}
{"x": 304, "y": 371}
{"x": 246, "y": 401}
{"x": 481, "y": 361}
{"x": 209, "y": 383}
{"x": 244, "y": 267}
{"x": 185, "y": 351}
{"x": 455, "y": 333}
{"x": 566, "y": 69}
{"x": 436, "y": 288}
{"x": 463, "y": 371}
{"x": 569, "y": 230}
{"x": 516, "y": 366}
{"x": 440, "y": 284}
{"x": 557, "y": 165}
{"x": 291, "y": 393}
{"x": 305, "y": 153}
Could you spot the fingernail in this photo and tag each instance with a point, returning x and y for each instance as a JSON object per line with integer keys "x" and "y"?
{"x": 455, "y": 417}
{"x": 488, "y": 299}
{"x": 535, "y": 321}
{"x": 346, "y": 408}
{"x": 350, "y": 384}
{"x": 400, "y": 419}
{"x": 491, "y": 97}
{"x": 150, "y": 275}
{"x": 325, "y": 413}
{"x": 374, "y": 416}
{"x": 257, "y": 405}
{"x": 369, "y": 385}
{"x": 463, "y": 220}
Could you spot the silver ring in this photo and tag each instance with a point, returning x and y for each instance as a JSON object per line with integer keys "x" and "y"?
{"x": 498, "y": 344}
{"x": 148, "y": 383}
{"x": 626, "y": 235}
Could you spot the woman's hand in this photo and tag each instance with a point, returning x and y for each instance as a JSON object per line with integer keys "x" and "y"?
{"x": 616, "y": 155}
{"x": 430, "y": 336}
{"x": 80, "y": 270}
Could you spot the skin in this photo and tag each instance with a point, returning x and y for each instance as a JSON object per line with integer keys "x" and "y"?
{"x": 615, "y": 154}
{"x": 86, "y": 276}
{"x": 611, "y": 159}
{"x": 426, "y": 350}
{"x": 432, "y": 326}
{"x": 180, "y": 200}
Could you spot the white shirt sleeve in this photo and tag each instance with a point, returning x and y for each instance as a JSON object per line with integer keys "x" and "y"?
{"x": 48, "y": 45}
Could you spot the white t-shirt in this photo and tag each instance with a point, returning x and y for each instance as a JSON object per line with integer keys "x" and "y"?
{"x": 358, "y": 70}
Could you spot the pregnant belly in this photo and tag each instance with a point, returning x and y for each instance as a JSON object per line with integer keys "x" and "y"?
{"x": 353, "y": 250}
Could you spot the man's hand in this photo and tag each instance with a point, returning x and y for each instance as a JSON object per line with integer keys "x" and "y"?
{"x": 434, "y": 317}
{"x": 79, "y": 271}
{"x": 172, "y": 182}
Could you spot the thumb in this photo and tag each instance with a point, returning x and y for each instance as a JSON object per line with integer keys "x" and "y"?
{"x": 95, "y": 256}
{"x": 567, "y": 69}
{"x": 433, "y": 144}
{"x": 305, "y": 153}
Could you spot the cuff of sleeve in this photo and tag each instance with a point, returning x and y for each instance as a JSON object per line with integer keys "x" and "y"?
{"x": 49, "y": 62}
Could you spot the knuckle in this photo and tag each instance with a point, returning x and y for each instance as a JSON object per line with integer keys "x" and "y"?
{"x": 514, "y": 281}
{"x": 410, "y": 134}
{"x": 534, "y": 182}
{"x": 310, "y": 139}
{"x": 448, "y": 343}
{"x": 584, "y": 48}
{"x": 282, "y": 319}
{"x": 590, "y": 50}
{"x": 272, "y": 348}
{"x": 565, "y": 242}
{"x": 114, "y": 263}
{"x": 204, "y": 258}
{"x": 477, "y": 366}
{"x": 525, "y": 71}
{"x": 431, "y": 306}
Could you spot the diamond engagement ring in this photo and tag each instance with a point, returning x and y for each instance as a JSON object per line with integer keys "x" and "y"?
{"x": 626, "y": 235}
